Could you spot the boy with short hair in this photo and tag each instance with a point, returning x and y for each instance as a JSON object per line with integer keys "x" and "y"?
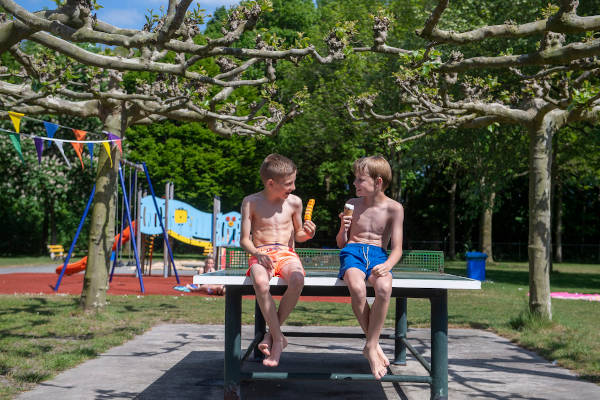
{"x": 271, "y": 224}
{"x": 364, "y": 236}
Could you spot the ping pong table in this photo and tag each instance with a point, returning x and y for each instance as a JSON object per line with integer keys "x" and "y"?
{"x": 322, "y": 281}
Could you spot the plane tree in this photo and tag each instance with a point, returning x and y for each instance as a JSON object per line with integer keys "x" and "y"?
{"x": 553, "y": 83}
{"x": 66, "y": 61}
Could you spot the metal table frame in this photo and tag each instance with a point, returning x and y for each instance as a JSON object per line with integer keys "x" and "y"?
{"x": 438, "y": 369}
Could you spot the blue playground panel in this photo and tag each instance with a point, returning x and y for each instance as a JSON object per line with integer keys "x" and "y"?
{"x": 190, "y": 222}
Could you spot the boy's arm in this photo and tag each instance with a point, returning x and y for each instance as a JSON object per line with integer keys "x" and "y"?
{"x": 396, "y": 239}
{"x": 345, "y": 220}
{"x": 302, "y": 232}
{"x": 245, "y": 240}
{"x": 342, "y": 236}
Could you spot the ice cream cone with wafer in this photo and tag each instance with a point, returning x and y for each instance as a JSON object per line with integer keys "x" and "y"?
{"x": 348, "y": 209}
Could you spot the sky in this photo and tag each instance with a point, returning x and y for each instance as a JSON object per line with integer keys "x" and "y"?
{"x": 127, "y": 13}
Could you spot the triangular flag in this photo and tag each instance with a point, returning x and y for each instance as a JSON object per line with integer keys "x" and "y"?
{"x": 80, "y": 135}
{"x": 39, "y": 147}
{"x": 15, "y": 117}
{"x": 50, "y": 130}
{"x": 91, "y": 150}
{"x": 16, "y": 141}
{"x": 107, "y": 148}
{"x": 60, "y": 148}
{"x": 116, "y": 139}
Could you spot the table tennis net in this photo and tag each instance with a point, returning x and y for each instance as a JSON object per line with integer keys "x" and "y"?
{"x": 329, "y": 260}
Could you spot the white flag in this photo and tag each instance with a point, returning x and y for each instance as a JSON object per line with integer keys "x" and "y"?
{"x": 60, "y": 147}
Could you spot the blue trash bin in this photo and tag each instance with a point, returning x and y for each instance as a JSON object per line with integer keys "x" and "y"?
{"x": 476, "y": 265}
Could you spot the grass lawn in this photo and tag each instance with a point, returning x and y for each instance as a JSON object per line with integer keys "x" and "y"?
{"x": 26, "y": 261}
{"x": 43, "y": 335}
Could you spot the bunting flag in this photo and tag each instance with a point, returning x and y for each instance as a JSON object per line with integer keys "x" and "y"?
{"x": 15, "y": 117}
{"x": 16, "y": 141}
{"x": 91, "y": 150}
{"x": 39, "y": 147}
{"x": 62, "y": 151}
{"x": 80, "y": 135}
{"x": 107, "y": 148}
{"x": 50, "y": 130}
{"x": 115, "y": 139}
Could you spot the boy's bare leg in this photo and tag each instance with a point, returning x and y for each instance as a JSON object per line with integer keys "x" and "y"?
{"x": 383, "y": 290}
{"x": 294, "y": 275}
{"x": 260, "y": 280}
{"x": 355, "y": 280}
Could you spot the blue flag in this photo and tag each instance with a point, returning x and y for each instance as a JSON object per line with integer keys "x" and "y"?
{"x": 91, "y": 149}
{"x": 50, "y": 130}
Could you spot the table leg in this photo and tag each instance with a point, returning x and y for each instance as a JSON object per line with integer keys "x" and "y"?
{"x": 439, "y": 346}
{"x": 401, "y": 331}
{"x": 259, "y": 329}
{"x": 233, "y": 343}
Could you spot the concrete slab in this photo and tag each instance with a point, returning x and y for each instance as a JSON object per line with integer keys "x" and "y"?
{"x": 186, "y": 361}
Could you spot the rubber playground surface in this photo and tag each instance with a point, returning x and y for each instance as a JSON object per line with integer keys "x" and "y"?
{"x": 122, "y": 284}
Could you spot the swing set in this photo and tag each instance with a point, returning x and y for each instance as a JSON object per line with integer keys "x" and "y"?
{"x": 129, "y": 233}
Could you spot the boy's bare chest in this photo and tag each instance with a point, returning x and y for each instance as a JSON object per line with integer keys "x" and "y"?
{"x": 373, "y": 220}
{"x": 279, "y": 215}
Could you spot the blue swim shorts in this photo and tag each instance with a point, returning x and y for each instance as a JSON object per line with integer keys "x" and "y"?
{"x": 361, "y": 256}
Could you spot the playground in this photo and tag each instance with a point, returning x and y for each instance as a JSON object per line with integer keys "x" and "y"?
{"x": 166, "y": 219}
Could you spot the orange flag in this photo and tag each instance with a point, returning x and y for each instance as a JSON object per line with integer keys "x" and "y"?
{"x": 80, "y": 135}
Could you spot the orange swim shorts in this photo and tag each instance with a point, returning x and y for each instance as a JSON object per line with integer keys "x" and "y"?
{"x": 280, "y": 255}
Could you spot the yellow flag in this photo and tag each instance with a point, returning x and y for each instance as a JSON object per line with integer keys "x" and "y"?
{"x": 15, "y": 117}
{"x": 107, "y": 148}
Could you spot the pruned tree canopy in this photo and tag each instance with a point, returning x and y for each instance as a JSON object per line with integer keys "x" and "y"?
{"x": 67, "y": 61}
{"x": 551, "y": 83}
{"x": 182, "y": 74}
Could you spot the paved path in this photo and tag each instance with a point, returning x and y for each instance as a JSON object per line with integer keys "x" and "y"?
{"x": 186, "y": 362}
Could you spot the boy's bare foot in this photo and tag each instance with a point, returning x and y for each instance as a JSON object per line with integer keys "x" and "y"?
{"x": 277, "y": 347}
{"x": 382, "y": 356}
{"x": 377, "y": 367}
{"x": 265, "y": 345}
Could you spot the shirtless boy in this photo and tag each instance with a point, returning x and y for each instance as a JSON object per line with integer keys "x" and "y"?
{"x": 271, "y": 224}
{"x": 365, "y": 236}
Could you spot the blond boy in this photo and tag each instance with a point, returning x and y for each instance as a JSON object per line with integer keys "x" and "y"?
{"x": 271, "y": 224}
{"x": 364, "y": 236}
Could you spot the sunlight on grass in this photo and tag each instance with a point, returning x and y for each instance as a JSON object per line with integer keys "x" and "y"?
{"x": 44, "y": 335}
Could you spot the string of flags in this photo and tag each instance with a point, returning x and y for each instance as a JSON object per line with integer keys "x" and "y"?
{"x": 51, "y": 128}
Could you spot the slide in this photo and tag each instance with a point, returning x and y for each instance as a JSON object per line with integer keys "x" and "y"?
{"x": 80, "y": 265}
{"x": 207, "y": 246}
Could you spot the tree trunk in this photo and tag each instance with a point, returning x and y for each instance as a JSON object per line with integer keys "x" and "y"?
{"x": 395, "y": 188}
{"x": 45, "y": 224}
{"x": 53, "y": 232}
{"x": 485, "y": 227}
{"x": 540, "y": 163}
{"x": 102, "y": 231}
{"x": 558, "y": 229}
{"x": 452, "y": 220}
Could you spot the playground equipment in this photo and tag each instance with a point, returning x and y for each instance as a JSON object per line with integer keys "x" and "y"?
{"x": 184, "y": 222}
{"x": 190, "y": 225}
{"x": 126, "y": 214}
{"x": 80, "y": 265}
